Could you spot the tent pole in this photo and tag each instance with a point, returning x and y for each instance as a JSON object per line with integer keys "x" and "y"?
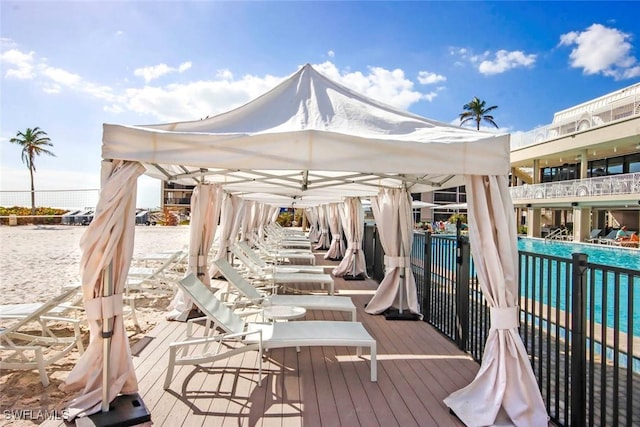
{"x": 107, "y": 330}
{"x": 402, "y": 280}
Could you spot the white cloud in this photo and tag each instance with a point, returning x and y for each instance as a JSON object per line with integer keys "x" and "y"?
{"x": 18, "y": 65}
{"x": 503, "y": 61}
{"x": 198, "y": 99}
{"x": 156, "y": 71}
{"x": 52, "y": 80}
{"x": 489, "y": 63}
{"x": 602, "y": 50}
{"x": 427, "y": 78}
{"x": 331, "y": 54}
{"x": 388, "y": 86}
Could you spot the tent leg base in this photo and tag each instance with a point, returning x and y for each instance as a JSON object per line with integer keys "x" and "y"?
{"x": 356, "y": 277}
{"x": 125, "y": 410}
{"x": 395, "y": 314}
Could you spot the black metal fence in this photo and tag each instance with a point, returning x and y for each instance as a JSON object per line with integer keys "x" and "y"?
{"x": 579, "y": 321}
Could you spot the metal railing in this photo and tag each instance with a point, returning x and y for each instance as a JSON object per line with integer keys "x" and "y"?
{"x": 580, "y": 323}
{"x": 610, "y": 185}
{"x": 63, "y": 199}
{"x": 581, "y": 119}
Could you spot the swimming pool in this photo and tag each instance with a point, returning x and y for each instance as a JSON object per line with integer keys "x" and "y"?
{"x": 598, "y": 254}
{"x": 609, "y": 292}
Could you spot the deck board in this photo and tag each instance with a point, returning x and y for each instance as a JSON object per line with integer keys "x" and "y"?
{"x": 318, "y": 386}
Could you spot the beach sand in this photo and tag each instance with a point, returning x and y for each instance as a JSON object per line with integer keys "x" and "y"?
{"x": 35, "y": 263}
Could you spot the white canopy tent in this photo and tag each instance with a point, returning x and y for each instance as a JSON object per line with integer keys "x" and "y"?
{"x": 311, "y": 141}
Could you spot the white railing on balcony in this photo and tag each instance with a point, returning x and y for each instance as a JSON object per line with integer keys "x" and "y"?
{"x": 610, "y": 185}
{"x": 609, "y": 108}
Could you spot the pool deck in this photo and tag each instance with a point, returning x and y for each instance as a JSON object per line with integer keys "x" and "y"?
{"x": 320, "y": 386}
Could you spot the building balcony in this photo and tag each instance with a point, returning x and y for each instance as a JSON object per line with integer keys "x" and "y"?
{"x": 599, "y": 112}
{"x": 183, "y": 201}
{"x": 615, "y": 190}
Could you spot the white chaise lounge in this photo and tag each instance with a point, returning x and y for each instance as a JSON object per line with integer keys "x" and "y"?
{"x": 309, "y": 302}
{"x": 256, "y": 336}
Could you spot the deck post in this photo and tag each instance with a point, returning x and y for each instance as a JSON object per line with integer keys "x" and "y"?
{"x": 463, "y": 255}
{"x": 426, "y": 277}
{"x": 578, "y": 339}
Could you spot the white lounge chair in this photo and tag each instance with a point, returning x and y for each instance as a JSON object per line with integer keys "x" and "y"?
{"x": 256, "y": 336}
{"x": 154, "y": 279}
{"x": 309, "y": 302}
{"x": 279, "y": 256}
{"x": 21, "y": 349}
{"x": 252, "y": 261}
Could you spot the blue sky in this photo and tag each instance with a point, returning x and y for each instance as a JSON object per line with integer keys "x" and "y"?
{"x": 68, "y": 67}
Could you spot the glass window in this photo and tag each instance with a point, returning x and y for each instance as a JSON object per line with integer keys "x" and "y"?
{"x": 615, "y": 166}
{"x": 633, "y": 163}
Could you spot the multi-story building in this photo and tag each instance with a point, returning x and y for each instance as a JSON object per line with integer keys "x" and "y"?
{"x": 582, "y": 171}
{"x": 176, "y": 197}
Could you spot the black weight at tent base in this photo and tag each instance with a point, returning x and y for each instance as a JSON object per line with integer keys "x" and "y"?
{"x": 125, "y": 410}
{"x": 352, "y": 277}
{"x": 395, "y": 314}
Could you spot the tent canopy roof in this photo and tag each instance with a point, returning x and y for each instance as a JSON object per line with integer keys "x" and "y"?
{"x": 310, "y": 139}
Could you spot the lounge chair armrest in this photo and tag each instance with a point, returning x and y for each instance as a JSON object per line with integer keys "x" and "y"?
{"x": 216, "y": 338}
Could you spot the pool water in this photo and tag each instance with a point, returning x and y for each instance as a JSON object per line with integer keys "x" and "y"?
{"x": 598, "y": 254}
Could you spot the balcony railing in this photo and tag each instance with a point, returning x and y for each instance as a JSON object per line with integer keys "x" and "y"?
{"x": 611, "y": 185}
{"x": 588, "y": 116}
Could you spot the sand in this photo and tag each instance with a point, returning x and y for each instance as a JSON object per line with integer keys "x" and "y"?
{"x": 35, "y": 263}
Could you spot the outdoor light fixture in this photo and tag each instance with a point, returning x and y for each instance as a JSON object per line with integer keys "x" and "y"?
{"x": 529, "y": 204}
{"x": 574, "y": 204}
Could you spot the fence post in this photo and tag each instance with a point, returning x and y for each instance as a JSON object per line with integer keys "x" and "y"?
{"x": 578, "y": 340}
{"x": 426, "y": 278}
{"x": 463, "y": 254}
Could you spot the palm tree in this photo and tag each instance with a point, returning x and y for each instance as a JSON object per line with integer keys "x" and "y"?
{"x": 476, "y": 110}
{"x": 34, "y": 142}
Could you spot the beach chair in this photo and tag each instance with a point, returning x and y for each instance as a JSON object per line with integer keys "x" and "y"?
{"x": 285, "y": 278}
{"x": 279, "y": 256}
{"x": 252, "y": 295}
{"x": 239, "y": 336}
{"x": 593, "y": 235}
{"x": 252, "y": 261}
{"x": 608, "y": 239}
{"x": 154, "y": 279}
{"x": 28, "y": 340}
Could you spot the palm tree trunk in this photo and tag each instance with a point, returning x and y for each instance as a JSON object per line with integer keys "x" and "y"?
{"x": 33, "y": 194}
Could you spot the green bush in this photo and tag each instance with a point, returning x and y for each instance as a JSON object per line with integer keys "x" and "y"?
{"x": 285, "y": 219}
{"x": 44, "y": 215}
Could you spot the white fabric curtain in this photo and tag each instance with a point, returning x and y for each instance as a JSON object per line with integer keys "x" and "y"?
{"x": 312, "y": 216}
{"x": 246, "y": 226}
{"x": 352, "y": 216}
{"x": 263, "y": 219}
{"x": 323, "y": 222}
{"x": 205, "y": 213}
{"x": 505, "y": 390}
{"x": 228, "y": 228}
{"x": 273, "y": 214}
{"x": 106, "y": 244}
{"x": 392, "y": 212}
{"x": 336, "y": 249}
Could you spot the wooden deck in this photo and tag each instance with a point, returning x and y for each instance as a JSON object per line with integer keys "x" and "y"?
{"x": 330, "y": 386}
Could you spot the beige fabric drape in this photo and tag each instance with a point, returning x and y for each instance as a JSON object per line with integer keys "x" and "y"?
{"x": 205, "y": 212}
{"x": 336, "y": 248}
{"x": 352, "y": 216}
{"x": 246, "y": 225}
{"x": 314, "y": 230}
{"x": 505, "y": 389}
{"x": 107, "y": 241}
{"x": 230, "y": 217}
{"x": 392, "y": 212}
{"x": 323, "y": 222}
